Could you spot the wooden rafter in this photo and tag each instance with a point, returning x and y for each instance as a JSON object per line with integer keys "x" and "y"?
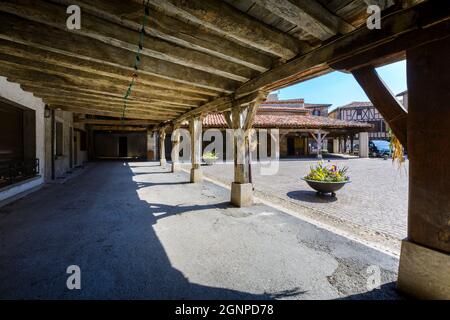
{"x": 174, "y": 31}
{"x": 223, "y": 19}
{"x": 41, "y": 36}
{"x": 309, "y": 15}
{"x": 117, "y": 35}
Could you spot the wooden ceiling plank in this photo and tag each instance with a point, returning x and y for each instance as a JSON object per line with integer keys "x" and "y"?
{"x": 128, "y": 115}
{"x": 37, "y": 35}
{"x": 223, "y": 19}
{"x": 35, "y": 54}
{"x": 24, "y": 76}
{"x": 362, "y": 39}
{"x": 117, "y": 35}
{"x": 309, "y": 15}
{"x": 85, "y": 77}
{"x": 173, "y": 30}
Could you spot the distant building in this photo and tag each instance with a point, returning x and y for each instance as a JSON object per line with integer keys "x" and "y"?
{"x": 403, "y": 97}
{"x": 363, "y": 112}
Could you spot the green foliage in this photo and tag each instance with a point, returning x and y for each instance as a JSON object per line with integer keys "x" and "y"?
{"x": 331, "y": 174}
{"x": 210, "y": 156}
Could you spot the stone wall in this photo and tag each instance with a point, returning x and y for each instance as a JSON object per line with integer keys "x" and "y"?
{"x": 12, "y": 92}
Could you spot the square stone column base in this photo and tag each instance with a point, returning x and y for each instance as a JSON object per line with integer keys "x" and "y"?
{"x": 242, "y": 194}
{"x": 424, "y": 273}
{"x": 162, "y": 162}
{"x": 175, "y": 166}
{"x": 196, "y": 175}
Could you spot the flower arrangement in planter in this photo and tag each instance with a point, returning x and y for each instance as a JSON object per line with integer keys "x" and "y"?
{"x": 210, "y": 158}
{"x": 327, "y": 179}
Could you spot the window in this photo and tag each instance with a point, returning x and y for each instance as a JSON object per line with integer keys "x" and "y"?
{"x": 82, "y": 141}
{"x": 316, "y": 112}
{"x": 359, "y": 112}
{"x": 59, "y": 139}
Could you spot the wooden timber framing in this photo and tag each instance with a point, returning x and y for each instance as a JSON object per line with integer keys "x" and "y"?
{"x": 198, "y": 56}
{"x": 106, "y": 122}
{"x": 174, "y": 31}
{"x": 383, "y": 99}
{"x": 361, "y": 40}
{"x": 118, "y": 128}
{"x": 429, "y": 19}
{"x": 309, "y": 14}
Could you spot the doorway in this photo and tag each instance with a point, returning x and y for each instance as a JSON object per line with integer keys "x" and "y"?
{"x": 123, "y": 147}
{"x": 291, "y": 146}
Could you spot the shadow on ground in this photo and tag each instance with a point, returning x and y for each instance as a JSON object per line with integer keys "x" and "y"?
{"x": 311, "y": 196}
{"x": 102, "y": 226}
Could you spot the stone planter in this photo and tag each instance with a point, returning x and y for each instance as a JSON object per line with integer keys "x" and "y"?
{"x": 209, "y": 161}
{"x": 323, "y": 187}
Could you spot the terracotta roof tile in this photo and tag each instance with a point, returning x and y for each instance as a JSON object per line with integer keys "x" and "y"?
{"x": 292, "y": 121}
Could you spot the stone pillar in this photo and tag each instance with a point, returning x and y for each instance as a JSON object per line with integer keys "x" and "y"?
{"x": 195, "y": 130}
{"x": 335, "y": 145}
{"x": 363, "y": 144}
{"x": 162, "y": 146}
{"x": 425, "y": 255}
{"x": 175, "y": 149}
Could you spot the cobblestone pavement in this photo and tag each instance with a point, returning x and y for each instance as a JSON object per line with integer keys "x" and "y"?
{"x": 376, "y": 198}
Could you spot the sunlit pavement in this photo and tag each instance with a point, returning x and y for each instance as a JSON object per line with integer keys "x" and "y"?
{"x": 137, "y": 231}
{"x": 376, "y": 198}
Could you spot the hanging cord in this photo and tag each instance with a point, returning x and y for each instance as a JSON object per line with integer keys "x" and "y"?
{"x": 137, "y": 61}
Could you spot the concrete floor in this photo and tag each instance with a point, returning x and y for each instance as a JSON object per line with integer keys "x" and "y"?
{"x": 138, "y": 232}
{"x": 373, "y": 205}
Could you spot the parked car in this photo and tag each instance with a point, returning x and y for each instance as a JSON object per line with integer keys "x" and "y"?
{"x": 379, "y": 148}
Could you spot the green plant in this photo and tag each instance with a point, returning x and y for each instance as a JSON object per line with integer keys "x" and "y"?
{"x": 210, "y": 156}
{"x": 331, "y": 174}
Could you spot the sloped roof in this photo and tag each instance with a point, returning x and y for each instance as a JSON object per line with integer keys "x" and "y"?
{"x": 298, "y": 121}
{"x": 356, "y": 104}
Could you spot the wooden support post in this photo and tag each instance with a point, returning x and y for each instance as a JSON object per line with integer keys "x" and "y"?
{"x": 352, "y": 139}
{"x": 319, "y": 140}
{"x": 425, "y": 256}
{"x": 383, "y": 99}
{"x": 162, "y": 146}
{"x": 242, "y": 121}
{"x": 195, "y": 128}
{"x": 176, "y": 148}
{"x": 363, "y": 144}
{"x": 335, "y": 145}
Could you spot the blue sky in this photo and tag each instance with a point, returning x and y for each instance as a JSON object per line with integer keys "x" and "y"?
{"x": 340, "y": 88}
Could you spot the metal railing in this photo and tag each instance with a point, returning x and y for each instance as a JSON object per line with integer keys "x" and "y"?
{"x": 15, "y": 171}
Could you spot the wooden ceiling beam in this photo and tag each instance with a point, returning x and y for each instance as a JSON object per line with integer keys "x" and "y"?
{"x": 173, "y": 30}
{"x": 119, "y": 105}
{"x": 116, "y": 122}
{"x": 24, "y": 76}
{"x": 40, "y": 36}
{"x": 106, "y": 113}
{"x": 308, "y": 15}
{"x": 117, "y": 35}
{"x": 51, "y": 101}
{"x": 222, "y": 18}
{"x": 74, "y": 92}
{"x": 124, "y": 73}
{"x": 79, "y": 77}
{"x": 361, "y": 40}
{"x": 118, "y": 127}
{"x": 45, "y": 91}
